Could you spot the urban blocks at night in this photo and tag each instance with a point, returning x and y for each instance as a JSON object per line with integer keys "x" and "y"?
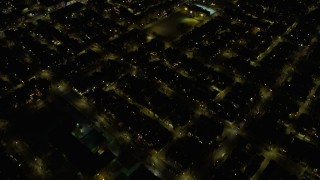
{"x": 159, "y": 89}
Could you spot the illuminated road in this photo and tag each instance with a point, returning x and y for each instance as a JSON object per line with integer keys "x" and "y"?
{"x": 272, "y": 153}
{"x": 230, "y": 140}
{"x": 275, "y": 42}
